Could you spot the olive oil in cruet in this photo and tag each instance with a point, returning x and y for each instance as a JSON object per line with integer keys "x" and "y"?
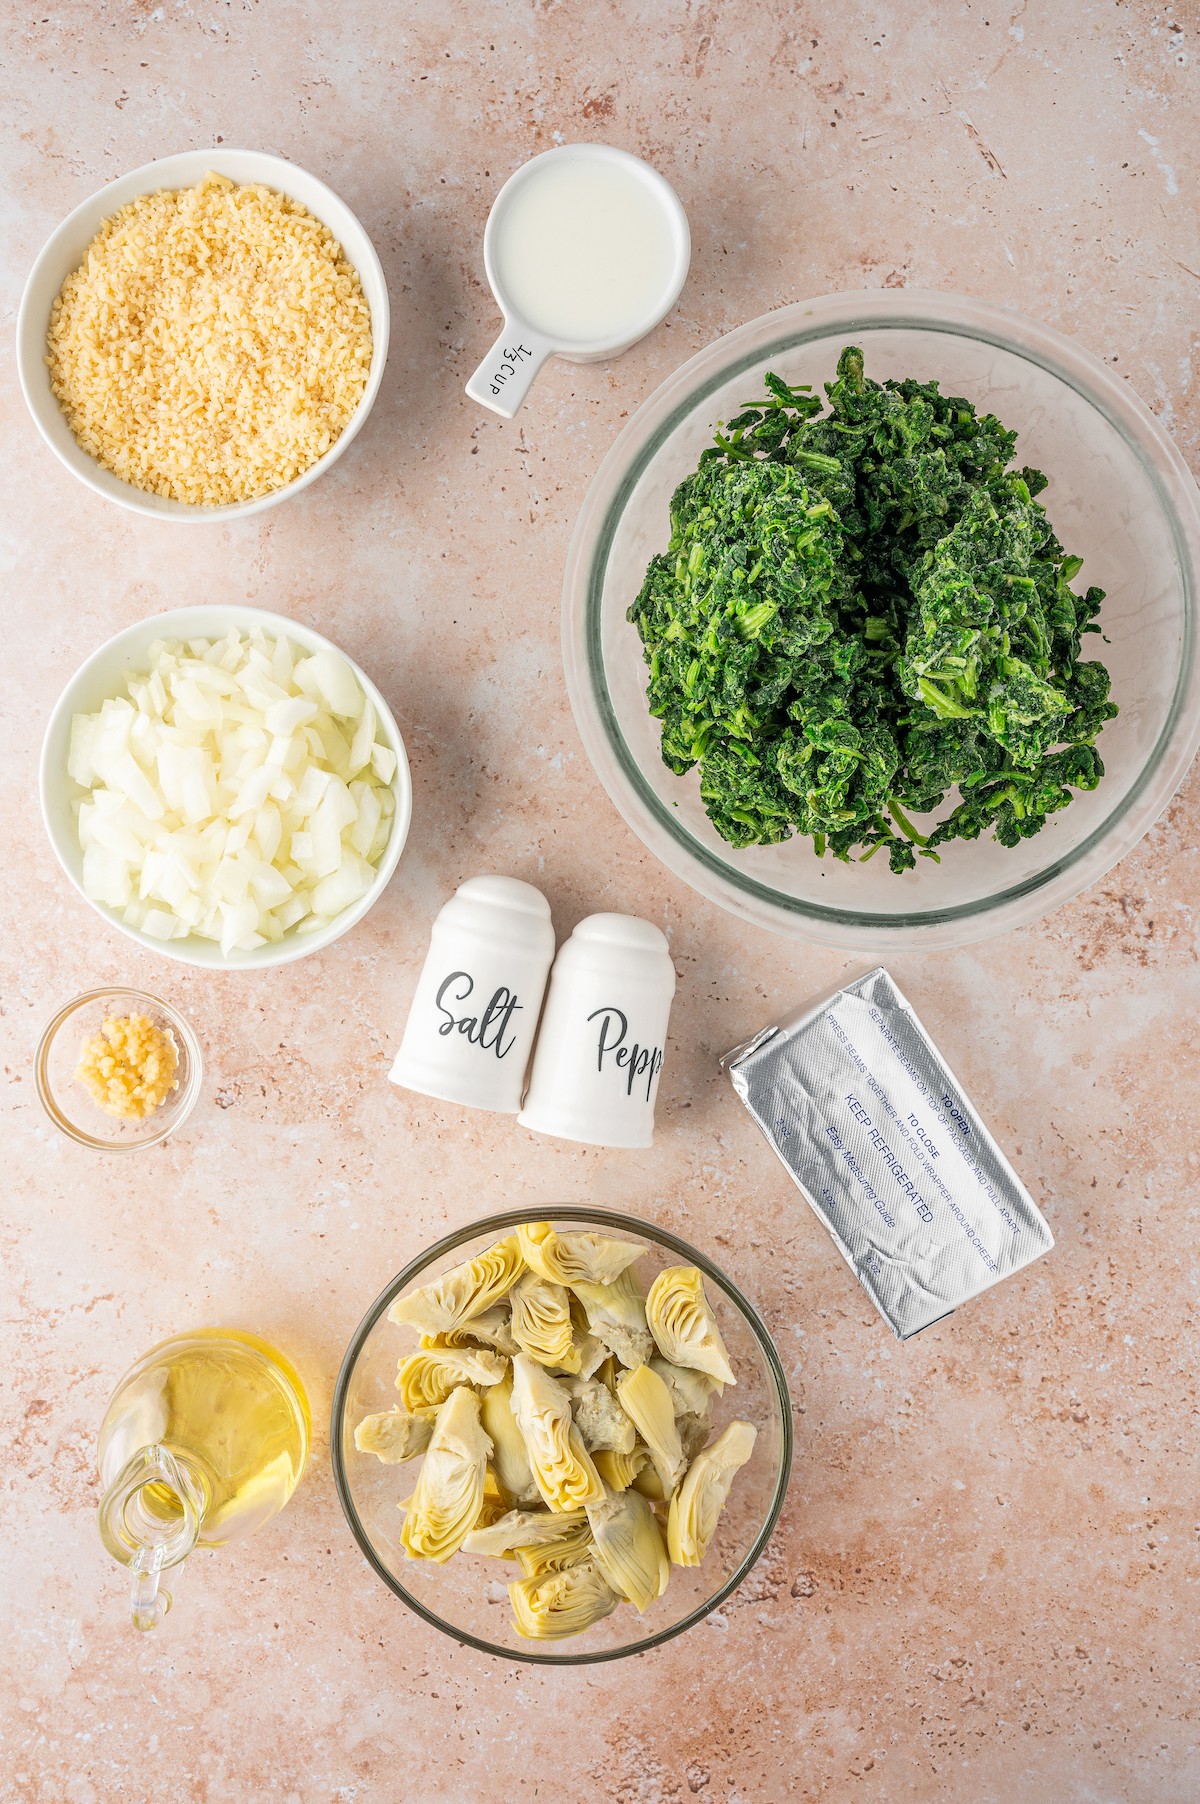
{"x": 203, "y": 1441}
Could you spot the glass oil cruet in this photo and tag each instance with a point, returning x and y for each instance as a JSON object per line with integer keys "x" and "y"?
{"x": 203, "y": 1441}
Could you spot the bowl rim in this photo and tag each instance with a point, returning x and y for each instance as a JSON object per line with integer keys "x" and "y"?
{"x": 179, "y": 170}
{"x": 184, "y": 1104}
{"x": 497, "y": 1223}
{"x": 141, "y": 632}
{"x": 706, "y": 871}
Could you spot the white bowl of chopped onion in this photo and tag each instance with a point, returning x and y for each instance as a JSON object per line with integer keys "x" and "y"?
{"x": 65, "y": 251}
{"x": 226, "y": 787}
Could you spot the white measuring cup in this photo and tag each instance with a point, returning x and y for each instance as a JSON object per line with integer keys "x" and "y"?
{"x": 503, "y": 378}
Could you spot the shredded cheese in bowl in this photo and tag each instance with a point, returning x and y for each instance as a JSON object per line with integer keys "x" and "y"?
{"x": 212, "y": 345}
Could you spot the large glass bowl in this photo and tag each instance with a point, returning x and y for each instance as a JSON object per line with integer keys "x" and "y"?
{"x": 1119, "y": 495}
{"x": 466, "y": 1596}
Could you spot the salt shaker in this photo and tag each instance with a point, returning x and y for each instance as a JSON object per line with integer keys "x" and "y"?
{"x": 471, "y": 1026}
{"x": 600, "y": 1051}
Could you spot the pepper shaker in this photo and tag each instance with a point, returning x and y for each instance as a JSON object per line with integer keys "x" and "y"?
{"x": 600, "y": 1050}
{"x": 471, "y": 1025}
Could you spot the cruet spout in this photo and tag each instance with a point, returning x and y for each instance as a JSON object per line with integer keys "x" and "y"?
{"x": 149, "y": 1520}
{"x": 149, "y": 1600}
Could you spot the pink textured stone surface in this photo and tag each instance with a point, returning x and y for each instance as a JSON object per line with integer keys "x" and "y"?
{"x": 983, "y": 1585}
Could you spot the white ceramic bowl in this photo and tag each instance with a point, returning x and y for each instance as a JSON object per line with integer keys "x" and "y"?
{"x": 64, "y": 251}
{"x": 104, "y": 675}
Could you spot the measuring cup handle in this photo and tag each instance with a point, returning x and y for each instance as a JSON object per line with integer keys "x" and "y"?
{"x": 502, "y": 380}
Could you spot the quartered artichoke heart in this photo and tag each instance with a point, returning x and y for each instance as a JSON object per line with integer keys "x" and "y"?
{"x": 697, "y": 1504}
{"x": 683, "y": 1325}
{"x": 427, "y": 1377}
{"x": 616, "y": 1315}
{"x": 521, "y": 1528}
{"x": 541, "y": 1322}
{"x": 592, "y": 1352}
{"x": 394, "y": 1435}
{"x": 629, "y": 1547}
{"x": 561, "y": 1465}
{"x": 461, "y": 1293}
{"x": 599, "y": 1417}
{"x": 569, "y": 1258}
{"x": 563, "y": 1603}
{"x": 554, "y": 1554}
{"x": 693, "y": 1432}
{"x": 692, "y": 1392}
{"x": 492, "y": 1328}
{"x": 648, "y": 1482}
{"x": 620, "y": 1470}
{"x": 509, "y": 1459}
{"x": 449, "y": 1492}
{"x": 691, "y": 1396}
{"x": 647, "y": 1402}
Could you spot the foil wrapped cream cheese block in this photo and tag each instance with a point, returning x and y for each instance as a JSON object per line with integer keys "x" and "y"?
{"x": 874, "y": 1128}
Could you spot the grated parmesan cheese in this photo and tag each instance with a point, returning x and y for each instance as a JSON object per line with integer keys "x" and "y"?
{"x": 212, "y": 345}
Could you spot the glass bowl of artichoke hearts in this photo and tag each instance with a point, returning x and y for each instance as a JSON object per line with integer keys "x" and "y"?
{"x": 561, "y": 1440}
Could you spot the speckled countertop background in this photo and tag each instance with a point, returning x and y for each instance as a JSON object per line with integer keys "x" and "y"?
{"x": 983, "y": 1584}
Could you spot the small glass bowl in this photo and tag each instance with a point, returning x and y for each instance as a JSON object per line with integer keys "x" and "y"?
{"x": 68, "y": 1103}
{"x": 466, "y": 1597}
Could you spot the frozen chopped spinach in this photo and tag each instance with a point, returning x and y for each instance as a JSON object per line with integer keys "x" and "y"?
{"x": 863, "y": 610}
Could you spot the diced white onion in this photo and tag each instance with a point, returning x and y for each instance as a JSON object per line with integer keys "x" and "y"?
{"x": 328, "y": 678}
{"x": 237, "y": 791}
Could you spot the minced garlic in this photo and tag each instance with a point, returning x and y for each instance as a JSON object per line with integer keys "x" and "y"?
{"x": 128, "y": 1067}
{"x": 212, "y": 345}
